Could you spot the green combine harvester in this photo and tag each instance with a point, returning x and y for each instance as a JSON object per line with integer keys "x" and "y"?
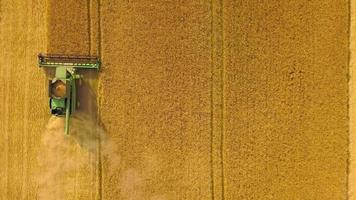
{"x": 62, "y": 88}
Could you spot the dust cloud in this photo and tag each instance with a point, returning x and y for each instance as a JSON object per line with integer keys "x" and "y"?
{"x": 62, "y": 156}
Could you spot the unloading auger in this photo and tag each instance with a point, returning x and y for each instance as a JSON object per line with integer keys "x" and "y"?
{"x": 62, "y": 88}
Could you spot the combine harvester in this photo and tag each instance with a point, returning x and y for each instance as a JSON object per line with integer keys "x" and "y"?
{"x": 62, "y": 88}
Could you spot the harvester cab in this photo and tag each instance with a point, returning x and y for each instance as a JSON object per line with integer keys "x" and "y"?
{"x": 62, "y": 88}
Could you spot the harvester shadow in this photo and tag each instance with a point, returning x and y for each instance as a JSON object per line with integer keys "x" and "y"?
{"x": 85, "y": 124}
